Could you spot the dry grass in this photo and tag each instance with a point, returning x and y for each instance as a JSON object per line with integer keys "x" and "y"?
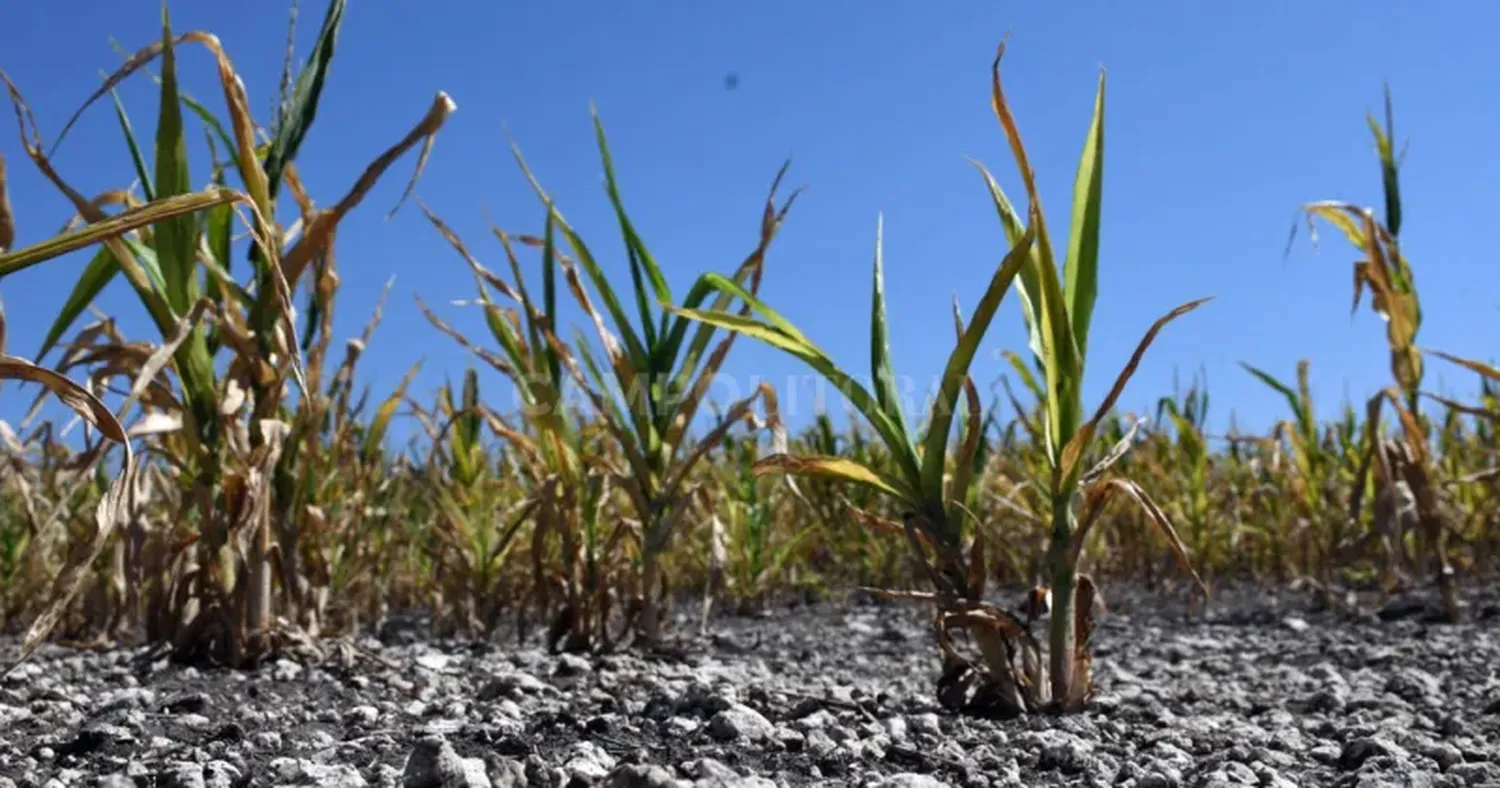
{"x": 244, "y": 520}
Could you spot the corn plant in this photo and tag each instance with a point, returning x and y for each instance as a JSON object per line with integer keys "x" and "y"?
{"x": 932, "y": 498}
{"x": 1316, "y": 509}
{"x": 235, "y": 447}
{"x": 1404, "y": 470}
{"x": 652, "y": 397}
{"x": 562, "y": 476}
{"x": 756, "y": 556}
{"x": 1187, "y": 464}
{"x": 474, "y": 517}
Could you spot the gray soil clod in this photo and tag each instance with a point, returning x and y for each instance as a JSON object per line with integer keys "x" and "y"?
{"x": 1252, "y": 693}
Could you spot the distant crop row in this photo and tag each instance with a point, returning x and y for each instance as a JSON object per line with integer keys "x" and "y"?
{"x": 258, "y": 503}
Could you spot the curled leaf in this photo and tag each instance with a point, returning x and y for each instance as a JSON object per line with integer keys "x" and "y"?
{"x": 1098, "y": 494}
{"x": 113, "y": 506}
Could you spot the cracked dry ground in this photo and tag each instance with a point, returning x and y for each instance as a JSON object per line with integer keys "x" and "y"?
{"x": 1251, "y": 693}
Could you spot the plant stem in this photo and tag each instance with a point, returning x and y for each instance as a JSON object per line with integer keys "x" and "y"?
{"x": 1061, "y": 643}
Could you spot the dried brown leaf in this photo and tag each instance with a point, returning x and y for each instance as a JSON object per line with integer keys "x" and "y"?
{"x": 113, "y": 506}
{"x": 1097, "y": 494}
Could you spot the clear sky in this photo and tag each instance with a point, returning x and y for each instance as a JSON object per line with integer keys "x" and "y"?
{"x": 1221, "y": 119}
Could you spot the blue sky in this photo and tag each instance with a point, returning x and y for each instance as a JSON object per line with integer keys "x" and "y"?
{"x": 1221, "y": 119}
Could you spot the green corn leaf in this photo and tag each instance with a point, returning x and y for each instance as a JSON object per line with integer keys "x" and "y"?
{"x": 702, "y": 288}
{"x": 188, "y": 101}
{"x": 1064, "y": 370}
{"x": 549, "y": 296}
{"x": 214, "y": 125}
{"x": 100, "y": 270}
{"x": 1024, "y": 372}
{"x": 1081, "y": 267}
{"x": 640, "y": 258}
{"x": 1063, "y": 363}
{"x": 894, "y": 435}
{"x": 135, "y": 149}
{"x": 612, "y": 409}
{"x": 880, "y": 346}
{"x": 637, "y": 352}
{"x": 146, "y": 256}
{"x": 1389, "y": 167}
{"x": 628, "y": 336}
{"x": 528, "y": 310}
{"x": 1027, "y": 287}
{"x": 302, "y": 109}
{"x": 957, "y": 370}
{"x": 1293, "y": 401}
{"x": 381, "y": 421}
{"x": 750, "y": 270}
{"x": 470, "y": 422}
{"x": 218, "y": 230}
{"x": 176, "y": 247}
{"x": 174, "y": 238}
{"x": 504, "y": 333}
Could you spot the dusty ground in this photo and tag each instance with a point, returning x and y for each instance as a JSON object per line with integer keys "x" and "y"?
{"x": 1254, "y": 692}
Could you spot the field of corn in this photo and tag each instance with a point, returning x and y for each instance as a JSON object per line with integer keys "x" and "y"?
{"x": 237, "y": 502}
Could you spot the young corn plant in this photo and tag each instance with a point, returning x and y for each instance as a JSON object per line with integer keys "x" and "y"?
{"x": 1057, "y": 314}
{"x": 1187, "y": 465}
{"x": 843, "y": 544}
{"x": 563, "y": 478}
{"x": 744, "y": 519}
{"x": 1409, "y": 467}
{"x": 1315, "y": 508}
{"x": 234, "y": 440}
{"x": 660, "y": 375}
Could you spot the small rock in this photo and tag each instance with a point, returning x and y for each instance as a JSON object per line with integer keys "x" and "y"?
{"x": 1325, "y": 753}
{"x": 1479, "y": 773}
{"x": 434, "y": 661}
{"x": 1442, "y": 753}
{"x": 362, "y": 715}
{"x": 709, "y": 769}
{"x": 572, "y": 665}
{"x": 290, "y": 771}
{"x": 504, "y": 772}
{"x": 433, "y": 763}
{"x": 926, "y": 724}
{"x": 588, "y": 761}
{"x": 895, "y": 727}
{"x": 1240, "y": 773}
{"x": 195, "y": 703}
{"x": 1325, "y": 701}
{"x": 740, "y": 722}
{"x": 285, "y": 670}
{"x": 641, "y": 776}
{"x": 1357, "y": 751}
{"x": 681, "y": 726}
{"x": 1061, "y": 750}
{"x": 1159, "y": 780}
{"x": 221, "y": 774}
{"x": 334, "y": 776}
{"x": 1414, "y": 685}
{"x": 183, "y": 775}
{"x": 512, "y": 685}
